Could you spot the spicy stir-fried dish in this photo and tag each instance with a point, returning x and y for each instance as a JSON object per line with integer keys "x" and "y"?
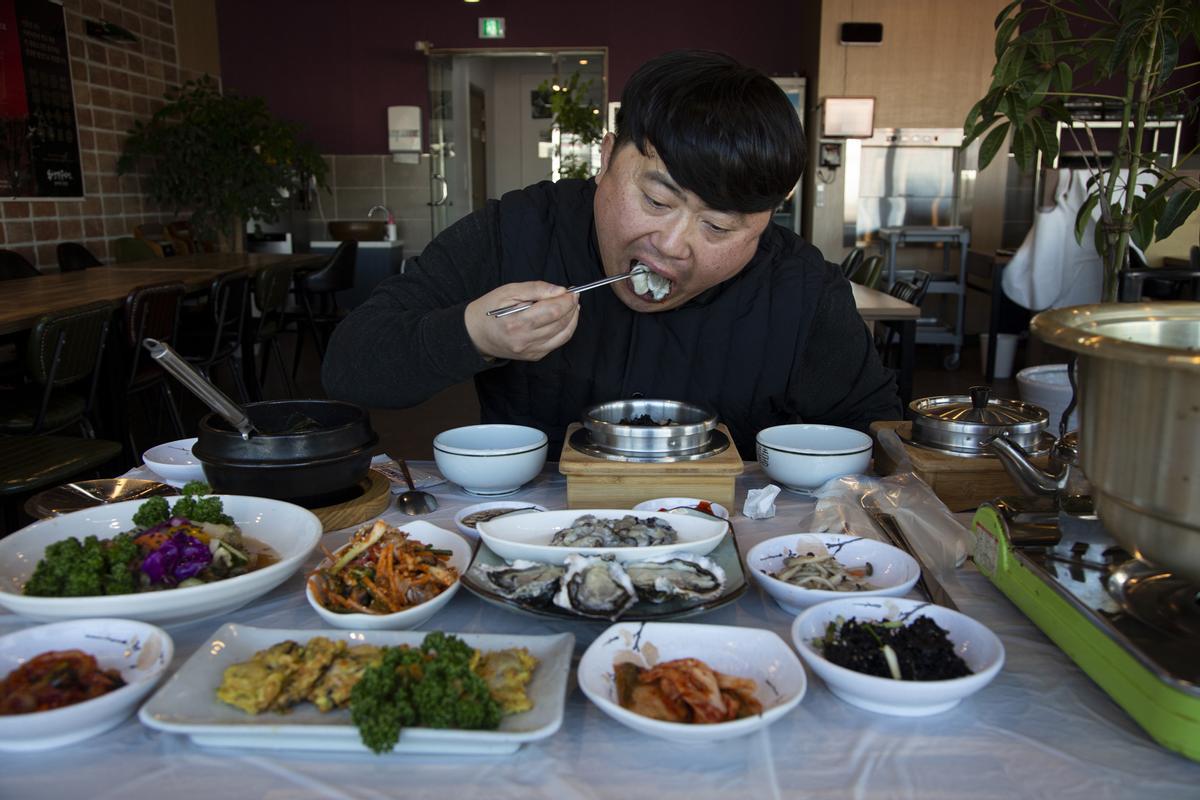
{"x": 191, "y": 543}
{"x": 442, "y": 683}
{"x": 55, "y": 679}
{"x": 382, "y": 571}
{"x": 685, "y": 690}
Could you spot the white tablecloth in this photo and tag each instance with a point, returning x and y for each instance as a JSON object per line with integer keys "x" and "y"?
{"x": 1041, "y": 729}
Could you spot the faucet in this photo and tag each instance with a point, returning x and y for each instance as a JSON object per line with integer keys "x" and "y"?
{"x": 391, "y": 221}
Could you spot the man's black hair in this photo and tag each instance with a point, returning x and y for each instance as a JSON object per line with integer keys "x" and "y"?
{"x": 724, "y": 131}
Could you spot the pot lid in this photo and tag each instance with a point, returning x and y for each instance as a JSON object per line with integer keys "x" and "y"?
{"x": 979, "y": 408}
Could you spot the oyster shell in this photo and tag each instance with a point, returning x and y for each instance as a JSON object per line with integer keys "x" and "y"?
{"x": 682, "y": 575}
{"x": 595, "y": 587}
{"x": 522, "y": 580}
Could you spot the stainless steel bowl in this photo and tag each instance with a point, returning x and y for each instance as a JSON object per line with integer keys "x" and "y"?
{"x": 1139, "y": 398}
{"x": 690, "y": 427}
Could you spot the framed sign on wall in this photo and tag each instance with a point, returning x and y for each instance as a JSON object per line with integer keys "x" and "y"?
{"x": 39, "y": 140}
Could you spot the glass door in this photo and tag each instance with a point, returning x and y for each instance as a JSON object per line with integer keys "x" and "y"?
{"x": 443, "y": 165}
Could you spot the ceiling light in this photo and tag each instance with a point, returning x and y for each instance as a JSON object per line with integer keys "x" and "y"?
{"x": 583, "y": 62}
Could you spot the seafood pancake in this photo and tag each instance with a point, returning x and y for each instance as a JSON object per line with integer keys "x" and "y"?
{"x": 317, "y": 656}
{"x": 507, "y": 673}
{"x": 333, "y": 689}
{"x": 254, "y": 685}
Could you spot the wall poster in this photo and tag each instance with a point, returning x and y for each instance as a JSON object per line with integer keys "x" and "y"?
{"x": 39, "y": 140}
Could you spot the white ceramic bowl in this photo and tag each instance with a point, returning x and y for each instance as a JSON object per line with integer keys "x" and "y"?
{"x": 743, "y": 652}
{"x": 490, "y": 459}
{"x": 470, "y": 531}
{"x": 528, "y": 535}
{"x": 893, "y": 571}
{"x": 291, "y": 531}
{"x": 679, "y": 505}
{"x": 140, "y": 652}
{"x": 1049, "y": 386}
{"x": 409, "y": 617}
{"x": 174, "y": 462}
{"x": 803, "y": 457}
{"x": 977, "y": 646}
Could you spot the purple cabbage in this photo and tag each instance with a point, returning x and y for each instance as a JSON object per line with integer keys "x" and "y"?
{"x": 179, "y": 558}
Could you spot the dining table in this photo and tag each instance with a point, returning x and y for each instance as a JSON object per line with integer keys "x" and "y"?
{"x": 876, "y": 306}
{"x": 27, "y": 299}
{"x": 1040, "y": 729}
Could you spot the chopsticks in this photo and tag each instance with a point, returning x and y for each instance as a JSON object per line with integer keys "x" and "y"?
{"x": 927, "y": 582}
{"x": 506, "y": 310}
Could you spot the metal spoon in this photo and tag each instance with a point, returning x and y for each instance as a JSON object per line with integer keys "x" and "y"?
{"x": 413, "y": 502}
{"x": 506, "y": 310}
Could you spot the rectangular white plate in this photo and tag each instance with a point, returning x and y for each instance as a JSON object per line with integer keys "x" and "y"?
{"x": 187, "y": 703}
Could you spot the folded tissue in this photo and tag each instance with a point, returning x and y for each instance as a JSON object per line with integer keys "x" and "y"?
{"x": 760, "y": 503}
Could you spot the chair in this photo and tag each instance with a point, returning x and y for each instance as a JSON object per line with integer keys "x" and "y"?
{"x": 31, "y": 463}
{"x": 150, "y": 312}
{"x": 852, "y": 261}
{"x": 155, "y": 235}
{"x": 127, "y": 249}
{"x": 14, "y": 265}
{"x": 317, "y": 292}
{"x": 271, "y": 285}
{"x": 868, "y": 272}
{"x": 911, "y": 291}
{"x": 183, "y": 238}
{"x": 72, "y": 257}
{"x": 212, "y": 334}
{"x": 64, "y": 349}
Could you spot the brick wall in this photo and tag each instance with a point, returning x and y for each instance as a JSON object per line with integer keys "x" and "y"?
{"x": 114, "y": 85}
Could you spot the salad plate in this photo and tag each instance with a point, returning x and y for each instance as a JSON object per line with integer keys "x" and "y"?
{"x": 289, "y": 530}
{"x": 187, "y": 703}
{"x": 528, "y": 536}
{"x": 726, "y": 556}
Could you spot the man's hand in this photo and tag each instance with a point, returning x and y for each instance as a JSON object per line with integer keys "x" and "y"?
{"x": 527, "y": 335}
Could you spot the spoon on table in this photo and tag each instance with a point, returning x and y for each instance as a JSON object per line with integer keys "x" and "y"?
{"x": 414, "y": 502}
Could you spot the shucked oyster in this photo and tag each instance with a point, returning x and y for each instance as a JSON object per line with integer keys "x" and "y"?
{"x": 595, "y": 587}
{"x": 522, "y": 580}
{"x": 628, "y": 531}
{"x": 682, "y": 575}
{"x": 649, "y": 284}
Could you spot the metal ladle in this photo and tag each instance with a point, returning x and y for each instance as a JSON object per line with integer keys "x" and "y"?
{"x": 200, "y": 386}
{"x": 414, "y": 502}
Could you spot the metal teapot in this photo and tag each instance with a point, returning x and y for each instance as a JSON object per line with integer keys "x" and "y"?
{"x": 1064, "y": 481}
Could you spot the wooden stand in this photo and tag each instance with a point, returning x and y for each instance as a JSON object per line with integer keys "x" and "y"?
{"x": 374, "y": 500}
{"x": 961, "y": 482}
{"x": 594, "y": 482}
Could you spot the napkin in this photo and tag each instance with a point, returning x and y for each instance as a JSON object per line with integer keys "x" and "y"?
{"x": 760, "y": 503}
{"x": 390, "y": 468}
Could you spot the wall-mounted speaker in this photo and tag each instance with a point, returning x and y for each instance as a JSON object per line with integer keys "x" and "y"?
{"x": 867, "y": 33}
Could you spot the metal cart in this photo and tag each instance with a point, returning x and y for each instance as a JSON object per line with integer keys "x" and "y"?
{"x": 949, "y": 281}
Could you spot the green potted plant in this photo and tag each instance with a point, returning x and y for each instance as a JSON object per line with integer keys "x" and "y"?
{"x": 1042, "y": 48}
{"x": 223, "y": 157}
{"x": 577, "y": 119}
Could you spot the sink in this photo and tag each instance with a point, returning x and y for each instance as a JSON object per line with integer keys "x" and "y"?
{"x": 355, "y": 230}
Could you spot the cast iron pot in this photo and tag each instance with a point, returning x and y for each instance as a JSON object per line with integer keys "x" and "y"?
{"x": 310, "y": 452}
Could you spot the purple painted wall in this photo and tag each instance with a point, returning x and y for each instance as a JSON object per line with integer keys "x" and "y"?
{"x": 336, "y": 67}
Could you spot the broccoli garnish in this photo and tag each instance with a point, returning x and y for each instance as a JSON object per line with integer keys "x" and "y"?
{"x": 73, "y": 569}
{"x": 152, "y": 512}
{"x": 432, "y": 686}
{"x": 198, "y": 508}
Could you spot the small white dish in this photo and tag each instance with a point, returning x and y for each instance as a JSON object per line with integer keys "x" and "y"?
{"x": 187, "y": 703}
{"x": 978, "y": 647}
{"x": 291, "y": 531}
{"x": 410, "y": 617}
{"x": 803, "y": 457}
{"x": 174, "y": 462}
{"x": 679, "y": 505}
{"x": 140, "y": 652}
{"x": 894, "y": 572}
{"x": 528, "y": 536}
{"x": 490, "y": 460}
{"x": 752, "y": 653}
{"x": 470, "y": 531}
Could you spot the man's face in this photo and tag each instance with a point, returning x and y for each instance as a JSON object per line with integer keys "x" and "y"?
{"x": 643, "y": 215}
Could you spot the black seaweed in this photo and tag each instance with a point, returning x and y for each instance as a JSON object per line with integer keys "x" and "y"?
{"x": 644, "y": 419}
{"x": 922, "y": 648}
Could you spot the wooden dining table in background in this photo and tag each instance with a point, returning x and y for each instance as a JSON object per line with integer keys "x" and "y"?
{"x": 877, "y": 306}
{"x": 27, "y": 299}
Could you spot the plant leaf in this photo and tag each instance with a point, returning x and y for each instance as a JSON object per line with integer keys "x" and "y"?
{"x": 1048, "y": 138}
{"x": 1085, "y": 216}
{"x": 1004, "y": 12}
{"x": 1004, "y": 35}
{"x": 1064, "y": 76}
{"x": 1170, "y": 56}
{"x": 1024, "y": 145}
{"x": 1143, "y": 225}
{"x": 1179, "y": 208}
{"x": 991, "y": 144}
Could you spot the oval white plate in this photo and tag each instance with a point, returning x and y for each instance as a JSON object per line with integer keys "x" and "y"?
{"x": 409, "y": 617}
{"x": 528, "y": 535}
{"x": 291, "y": 531}
{"x": 743, "y": 652}
{"x": 977, "y": 646}
{"x": 679, "y": 505}
{"x": 471, "y": 532}
{"x": 174, "y": 462}
{"x": 894, "y": 571}
{"x": 140, "y": 652}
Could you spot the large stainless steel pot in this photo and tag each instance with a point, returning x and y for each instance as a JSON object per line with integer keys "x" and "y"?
{"x": 1139, "y": 398}
{"x": 613, "y": 427}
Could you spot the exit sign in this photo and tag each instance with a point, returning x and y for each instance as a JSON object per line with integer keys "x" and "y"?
{"x": 491, "y": 27}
